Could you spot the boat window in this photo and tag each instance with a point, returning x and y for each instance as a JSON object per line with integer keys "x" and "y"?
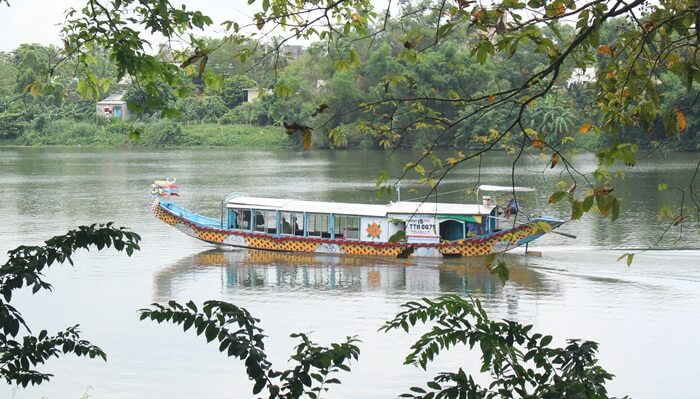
{"x": 318, "y": 225}
{"x": 265, "y": 221}
{"x": 292, "y": 223}
{"x": 240, "y": 219}
{"x": 346, "y": 227}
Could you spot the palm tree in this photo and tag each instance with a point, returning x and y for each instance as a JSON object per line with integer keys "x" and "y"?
{"x": 553, "y": 117}
{"x": 276, "y": 56}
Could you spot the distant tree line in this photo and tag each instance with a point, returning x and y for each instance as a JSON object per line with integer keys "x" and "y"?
{"x": 40, "y": 96}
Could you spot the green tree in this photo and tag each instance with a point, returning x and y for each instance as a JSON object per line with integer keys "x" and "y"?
{"x": 232, "y": 90}
{"x": 8, "y": 75}
{"x": 293, "y": 100}
{"x": 209, "y": 108}
{"x": 150, "y": 99}
{"x": 554, "y": 117}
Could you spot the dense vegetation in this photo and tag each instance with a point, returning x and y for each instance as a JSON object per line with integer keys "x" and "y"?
{"x": 320, "y": 89}
{"x": 60, "y": 115}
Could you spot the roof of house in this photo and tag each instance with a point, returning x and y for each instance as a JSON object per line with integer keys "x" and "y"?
{"x": 114, "y": 99}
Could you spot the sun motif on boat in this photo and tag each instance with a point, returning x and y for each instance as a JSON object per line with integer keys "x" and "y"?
{"x": 373, "y": 230}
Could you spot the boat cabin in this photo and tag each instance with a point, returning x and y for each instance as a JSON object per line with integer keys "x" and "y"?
{"x": 412, "y": 222}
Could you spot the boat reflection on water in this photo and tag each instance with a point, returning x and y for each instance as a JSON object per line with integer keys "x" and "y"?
{"x": 260, "y": 270}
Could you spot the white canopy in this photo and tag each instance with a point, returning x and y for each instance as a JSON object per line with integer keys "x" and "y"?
{"x": 487, "y": 187}
{"x": 394, "y": 208}
{"x": 289, "y": 205}
{"x": 429, "y": 208}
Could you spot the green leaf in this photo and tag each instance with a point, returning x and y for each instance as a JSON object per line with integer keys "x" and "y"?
{"x": 443, "y": 30}
{"x": 615, "y": 208}
{"x": 259, "y": 385}
{"x": 556, "y": 197}
{"x": 501, "y": 270}
{"x": 211, "y": 332}
{"x": 354, "y": 57}
{"x": 543, "y": 226}
{"x": 546, "y": 340}
{"x": 398, "y": 236}
{"x": 576, "y": 210}
{"x": 382, "y": 178}
{"x": 629, "y": 256}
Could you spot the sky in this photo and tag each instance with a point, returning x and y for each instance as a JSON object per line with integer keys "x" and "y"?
{"x": 38, "y": 21}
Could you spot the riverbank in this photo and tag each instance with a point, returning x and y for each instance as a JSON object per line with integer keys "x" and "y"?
{"x": 159, "y": 133}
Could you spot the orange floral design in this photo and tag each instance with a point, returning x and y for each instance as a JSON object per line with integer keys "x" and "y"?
{"x": 373, "y": 230}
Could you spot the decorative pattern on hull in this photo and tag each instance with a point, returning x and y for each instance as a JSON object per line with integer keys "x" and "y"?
{"x": 493, "y": 243}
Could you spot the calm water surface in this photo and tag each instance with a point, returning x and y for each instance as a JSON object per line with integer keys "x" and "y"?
{"x": 645, "y": 317}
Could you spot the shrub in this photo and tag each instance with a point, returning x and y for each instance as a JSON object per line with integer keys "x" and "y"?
{"x": 209, "y": 108}
{"x": 162, "y": 133}
{"x": 246, "y": 113}
{"x": 234, "y": 135}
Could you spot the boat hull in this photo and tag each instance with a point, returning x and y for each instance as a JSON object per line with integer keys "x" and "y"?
{"x": 495, "y": 242}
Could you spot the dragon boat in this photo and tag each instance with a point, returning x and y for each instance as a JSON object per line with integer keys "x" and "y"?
{"x": 398, "y": 229}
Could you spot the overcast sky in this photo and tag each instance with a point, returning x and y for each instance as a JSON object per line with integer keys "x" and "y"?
{"x": 37, "y": 21}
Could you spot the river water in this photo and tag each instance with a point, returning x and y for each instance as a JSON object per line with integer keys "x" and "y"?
{"x": 645, "y": 317}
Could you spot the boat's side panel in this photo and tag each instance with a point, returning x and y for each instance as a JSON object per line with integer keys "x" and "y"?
{"x": 494, "y": 243}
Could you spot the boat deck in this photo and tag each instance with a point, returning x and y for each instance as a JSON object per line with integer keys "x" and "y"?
{"x": 192, "y": 217}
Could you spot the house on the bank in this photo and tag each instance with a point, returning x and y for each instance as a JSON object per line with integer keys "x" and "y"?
{"x": 113, "y": 106}
{"x": 254, "y": 93}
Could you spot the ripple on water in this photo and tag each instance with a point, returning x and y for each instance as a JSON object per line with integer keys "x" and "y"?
{"x": 641, "y": 315}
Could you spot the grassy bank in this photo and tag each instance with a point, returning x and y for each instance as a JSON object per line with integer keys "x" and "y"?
{"x": 210, "y": 134}
{"x": 157, "y": 133}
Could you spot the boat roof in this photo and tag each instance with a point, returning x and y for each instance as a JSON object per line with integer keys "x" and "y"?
{"x": 429, "y": 208}
{"x": 344, "y": 208}
{"x": 487, "y": 187}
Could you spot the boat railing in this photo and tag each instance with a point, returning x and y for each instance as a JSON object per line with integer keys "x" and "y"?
{"x": 193, "y": 217}
{"x": 501, "y": 222}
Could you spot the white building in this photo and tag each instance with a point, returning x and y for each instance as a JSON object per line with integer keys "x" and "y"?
{"x": 113, "y": 106}
{"x": 581, "y": 76}
{"x": 252, "y": 94}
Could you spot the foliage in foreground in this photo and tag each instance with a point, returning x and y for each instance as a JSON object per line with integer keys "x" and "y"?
{"x": 520, "y": 363}
{"x": 238, "y": 336}
{"x": 19, "y": 356}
